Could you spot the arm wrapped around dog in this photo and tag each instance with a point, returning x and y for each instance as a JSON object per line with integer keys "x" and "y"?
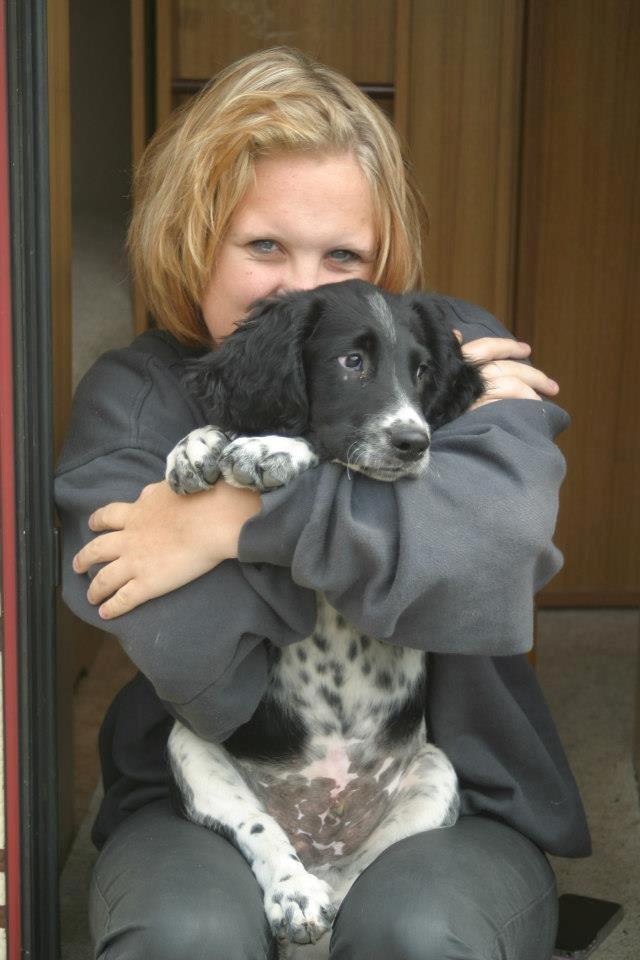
{"x": 449, "y": 561}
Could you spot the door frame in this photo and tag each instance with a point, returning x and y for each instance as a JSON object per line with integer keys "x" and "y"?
{"x": 32, "y": 558}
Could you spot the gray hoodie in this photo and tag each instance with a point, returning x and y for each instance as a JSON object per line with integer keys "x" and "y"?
{"x": 448, "y": 563}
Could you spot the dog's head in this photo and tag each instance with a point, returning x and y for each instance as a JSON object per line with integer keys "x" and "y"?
{"x": 365, "y": 375}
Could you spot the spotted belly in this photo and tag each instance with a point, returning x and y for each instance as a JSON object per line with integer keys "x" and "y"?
{"x": 329, "y": 806}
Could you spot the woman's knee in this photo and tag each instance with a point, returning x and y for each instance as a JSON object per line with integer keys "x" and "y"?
{"x": 475, "y": 892}
{"x": 166, "y": 889}
{"x": 429, "y": 931}
{"x": 184, "y": 934}
{"x": 457, "y": 931}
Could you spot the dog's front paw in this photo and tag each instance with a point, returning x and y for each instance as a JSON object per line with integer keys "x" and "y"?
{"x": 300, "y": 908}
{"x": 265, "y": 462}
{"x": 193, "y": 464}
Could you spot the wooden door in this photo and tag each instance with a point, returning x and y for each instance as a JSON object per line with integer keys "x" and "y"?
{"x": 521, "y": 119}
{"x": 579, "y": 278}
{"x": 448, "y": 74}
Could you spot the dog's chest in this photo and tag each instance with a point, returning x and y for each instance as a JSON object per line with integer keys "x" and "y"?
{"x": 341, "y": 681}
{"x": 348, "y": 691}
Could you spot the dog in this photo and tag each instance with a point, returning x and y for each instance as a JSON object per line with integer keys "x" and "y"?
{"x": 335, "y": 764}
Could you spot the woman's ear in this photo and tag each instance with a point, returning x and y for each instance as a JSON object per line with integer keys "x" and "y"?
{"x": 254, "y": 382}
{"x": 457, "y": 382}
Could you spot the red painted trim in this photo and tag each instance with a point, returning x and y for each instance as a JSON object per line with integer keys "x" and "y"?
{"x": 9, "y": 541}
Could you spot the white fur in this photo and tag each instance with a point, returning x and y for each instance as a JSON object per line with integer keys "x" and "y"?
{"x": 229, "y": 794}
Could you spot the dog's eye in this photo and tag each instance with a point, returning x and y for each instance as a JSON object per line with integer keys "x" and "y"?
{"x": 421, "y": 371}
{"x": 352, "y": 361}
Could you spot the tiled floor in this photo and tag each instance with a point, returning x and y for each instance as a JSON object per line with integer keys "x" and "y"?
{"x": 588, "y": 668}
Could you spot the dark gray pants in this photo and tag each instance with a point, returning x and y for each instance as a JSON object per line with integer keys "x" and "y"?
{"x": 168, "y": 890}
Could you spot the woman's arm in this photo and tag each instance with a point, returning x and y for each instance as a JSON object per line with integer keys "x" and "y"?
{"x": 160, "y": 542}
{"x": 202, "y": 646}
{"x": 449, "y": 562}
{"x": 396, "y": 559}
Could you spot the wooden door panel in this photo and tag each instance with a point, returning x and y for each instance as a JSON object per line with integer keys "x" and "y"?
{"x": 352, "y": 37}
{"x": 579, "y": 277}
{"x": 464, "y": 118}
{"x": 524, "y": 136}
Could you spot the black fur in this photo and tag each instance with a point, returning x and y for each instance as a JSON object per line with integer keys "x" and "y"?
{"x": 301, "y": 335}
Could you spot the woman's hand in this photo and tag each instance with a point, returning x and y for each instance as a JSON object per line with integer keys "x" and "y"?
{"x": 505, "y": 377}
{"x": 160, "y": 542}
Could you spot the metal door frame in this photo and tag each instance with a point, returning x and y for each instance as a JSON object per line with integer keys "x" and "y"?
{"x": 30, "y": 677}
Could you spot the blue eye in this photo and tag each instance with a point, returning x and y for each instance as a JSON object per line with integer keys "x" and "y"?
{"x": 263, "y": 246}
{"x": 352, "y": 361}
{"x": 343, "y": 256}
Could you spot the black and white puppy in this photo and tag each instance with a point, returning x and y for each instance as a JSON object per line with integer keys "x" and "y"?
{"x": 335, "y": 764}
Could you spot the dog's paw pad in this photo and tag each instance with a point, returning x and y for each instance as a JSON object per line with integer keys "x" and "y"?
{"x": 193, "y": 464}
{"x": 265, "y": 463}
{"x": 300, "y": 908}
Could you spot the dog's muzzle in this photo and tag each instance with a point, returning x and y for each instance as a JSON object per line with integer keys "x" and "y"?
{"x": 409, "y": 442}
{"x": 396, "y": 451}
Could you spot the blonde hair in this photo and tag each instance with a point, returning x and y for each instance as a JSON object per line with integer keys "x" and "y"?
{"x": 199, "y": 165}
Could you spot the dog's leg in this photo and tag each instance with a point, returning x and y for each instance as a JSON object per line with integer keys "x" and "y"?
{"x": 425, "y": 797}
{"x": 194, "y": 462}
{"x": 299, "y": 906}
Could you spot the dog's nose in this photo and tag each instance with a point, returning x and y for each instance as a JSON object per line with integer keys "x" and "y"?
{"x": 409, "y": 441}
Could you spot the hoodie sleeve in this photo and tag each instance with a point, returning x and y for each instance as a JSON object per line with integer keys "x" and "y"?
{"x": 448, "y": 562}
{"x": 202, "y": 646}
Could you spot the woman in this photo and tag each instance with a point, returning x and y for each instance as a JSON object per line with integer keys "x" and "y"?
{"x": 282, "y": 175}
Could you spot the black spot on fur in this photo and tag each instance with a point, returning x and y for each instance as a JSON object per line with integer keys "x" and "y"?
{"x": 365, "y": 642}
{"x": 257, "y": 828}
{"x": 321, "y": 668}
{"x": 353, "y": 650}
{"x": 321, "y": 642}
{"x": 384, "y": 680}
{"x": 272, "y": 734}
{"x": 401, "y": 725}
{"x": 333, "y": 699}
{"x": 340, "y": 620}
{"x": 302, "y": 654}
{"x": 338, "y": 672}
{"x": 304, "y": 676}
{"x": 366, "y": 667}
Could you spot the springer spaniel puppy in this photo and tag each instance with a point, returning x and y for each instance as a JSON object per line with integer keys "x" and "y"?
{"x": 335, "y": 764}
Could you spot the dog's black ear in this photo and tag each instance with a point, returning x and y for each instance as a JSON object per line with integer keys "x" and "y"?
{"x": 254, "y": 381}
{"x": 456, "y": 382}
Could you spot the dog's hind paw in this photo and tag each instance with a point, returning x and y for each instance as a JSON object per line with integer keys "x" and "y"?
{"x": 300, "y": 908}
{"x": 264, "y": 463}
{"x": 193, "y": 464}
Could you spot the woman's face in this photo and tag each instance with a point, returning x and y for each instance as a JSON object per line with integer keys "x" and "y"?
{"x": 306, "y": 221}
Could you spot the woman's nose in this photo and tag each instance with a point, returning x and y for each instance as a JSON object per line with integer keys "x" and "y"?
{"x": 301, "y": 276}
